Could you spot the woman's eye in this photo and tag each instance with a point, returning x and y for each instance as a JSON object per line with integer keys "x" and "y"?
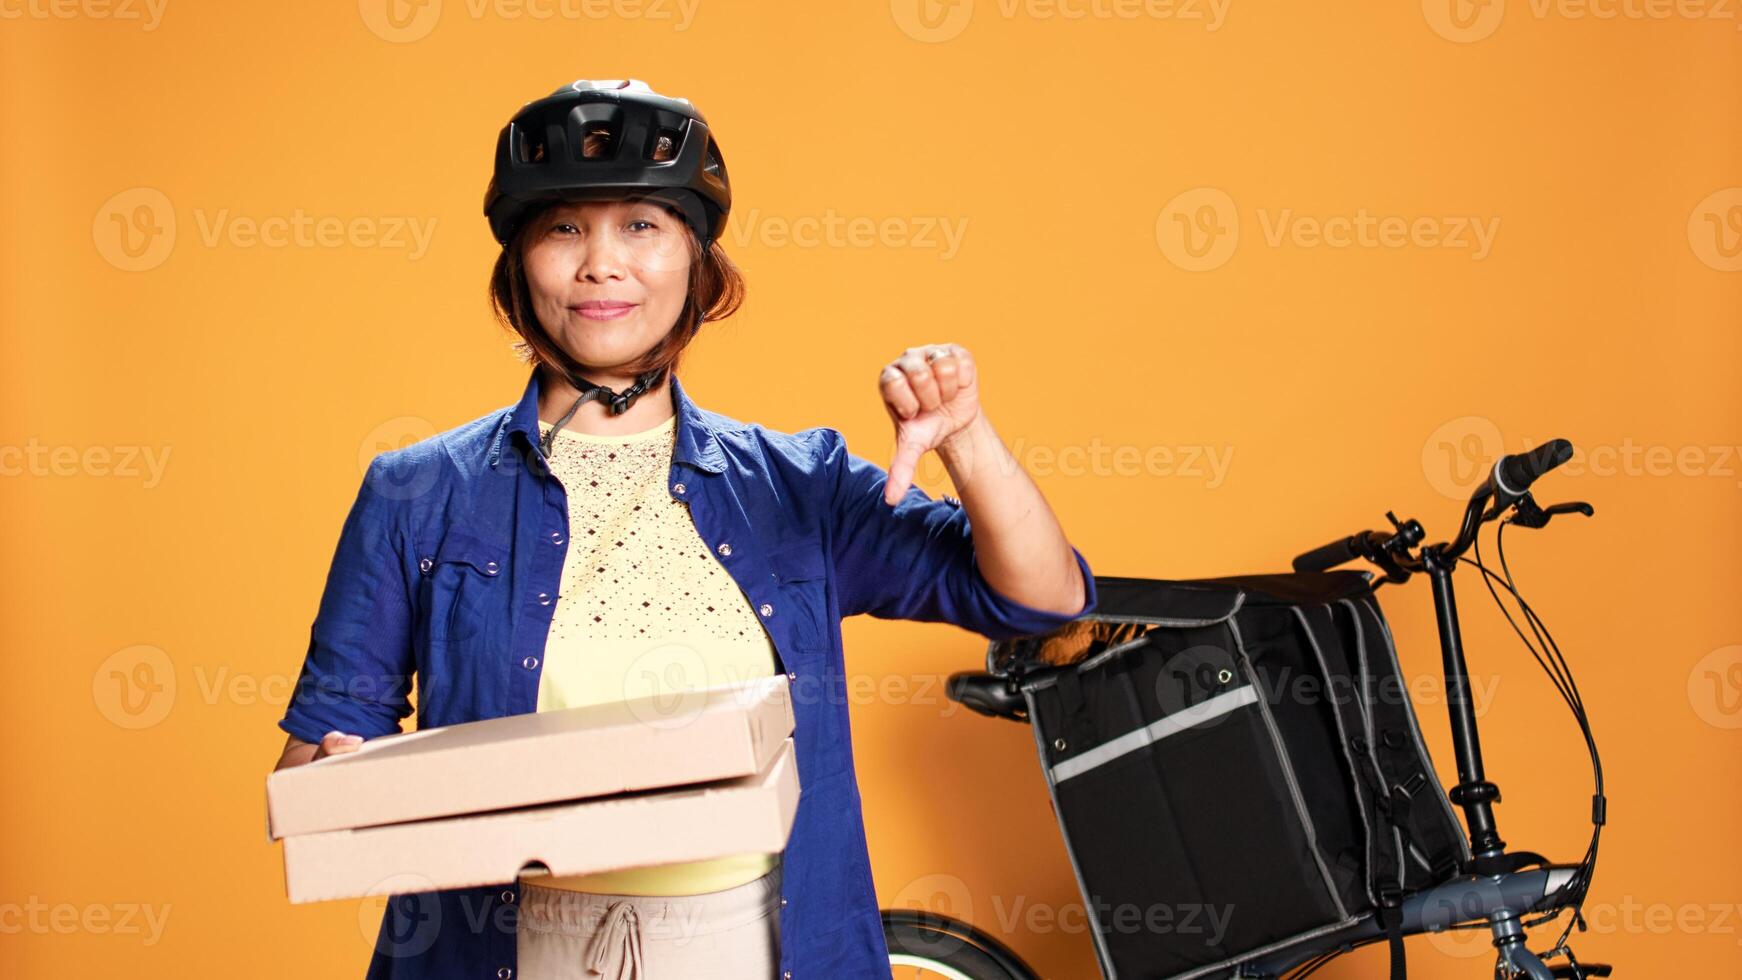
{"x": 641, "y": 221}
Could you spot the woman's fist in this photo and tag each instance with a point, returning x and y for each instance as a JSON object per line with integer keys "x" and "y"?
{"x": 930, "y": 394}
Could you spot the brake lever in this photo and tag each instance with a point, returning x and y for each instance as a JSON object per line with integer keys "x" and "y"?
{"x": 1527, "y": 513}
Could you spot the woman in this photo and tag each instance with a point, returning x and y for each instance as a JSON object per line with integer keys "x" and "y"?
{"x": 579, "y": 545}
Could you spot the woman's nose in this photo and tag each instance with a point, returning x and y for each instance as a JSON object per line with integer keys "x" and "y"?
{"x": 604, "y": 258}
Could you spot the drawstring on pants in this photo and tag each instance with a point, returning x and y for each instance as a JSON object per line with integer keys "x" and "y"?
{"x": 616, "y": 950}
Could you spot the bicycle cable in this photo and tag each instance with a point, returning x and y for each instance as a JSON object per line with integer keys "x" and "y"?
{"x": 1313, "y": 965}
{"x": 1554, "y": 664}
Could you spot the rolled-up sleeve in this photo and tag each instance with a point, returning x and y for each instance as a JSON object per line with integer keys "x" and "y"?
{"x": 916, "y": 560}
{"x": 356, "y": 677}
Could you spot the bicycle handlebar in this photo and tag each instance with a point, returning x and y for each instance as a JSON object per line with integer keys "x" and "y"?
{"x": 1507, "y": 483}
{"x": 1515, "y": 474}
{"x": 1327, "y": 556}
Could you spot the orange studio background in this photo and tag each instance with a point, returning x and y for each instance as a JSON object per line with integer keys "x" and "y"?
{"x": 1240, "y": 276}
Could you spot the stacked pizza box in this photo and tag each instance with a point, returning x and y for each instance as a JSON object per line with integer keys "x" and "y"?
{"x": 686, "y": 776}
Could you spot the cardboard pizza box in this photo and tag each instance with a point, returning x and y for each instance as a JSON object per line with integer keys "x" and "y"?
{"x": 747, "y": 814}
{"x": 695, "y": 736}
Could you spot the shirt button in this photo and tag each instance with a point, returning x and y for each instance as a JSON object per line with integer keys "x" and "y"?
{"x": 783, "y": 902}
{"x": 508, "y": 898}
{"x": 725, "y": 549}
{"x": 556, "y": 537}
{"x": 425, "y": 565}
{"x": 544, "y": 598}
{"x": 791, "y": 675}
{"x": 678, "y": 488}
{"x": 505, "y": 974}
{"x": 529, "y": 663}
{"x": 490, "y": 568}
{"x": 765, "y": 609}
{"x": 787, "y": 975}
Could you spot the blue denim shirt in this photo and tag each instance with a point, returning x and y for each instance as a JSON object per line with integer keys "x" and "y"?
{"x": 447, "y": 567}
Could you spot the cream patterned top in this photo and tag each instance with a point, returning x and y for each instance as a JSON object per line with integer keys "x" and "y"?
{"x": 644, "y": 608}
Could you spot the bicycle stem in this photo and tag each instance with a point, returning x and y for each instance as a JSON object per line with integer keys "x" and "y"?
{"x": 1474, "y": 793}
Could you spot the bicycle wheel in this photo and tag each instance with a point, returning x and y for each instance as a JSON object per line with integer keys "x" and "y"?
{"x": 923, "y": 946}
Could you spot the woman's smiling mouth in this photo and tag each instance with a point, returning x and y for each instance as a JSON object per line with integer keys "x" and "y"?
{"x": 603, "y": 309}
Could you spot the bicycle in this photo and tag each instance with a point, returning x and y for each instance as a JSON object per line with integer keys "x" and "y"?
{"x": 1507, "y": 892}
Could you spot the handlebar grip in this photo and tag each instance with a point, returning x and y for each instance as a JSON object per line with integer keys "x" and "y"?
{"x": 1328, "y": 556}
{"x": 1517, "y": 473}
{"x": 988, "y": 694}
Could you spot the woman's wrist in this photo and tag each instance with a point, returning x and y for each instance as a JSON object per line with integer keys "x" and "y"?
{"x": 974, "y": 441}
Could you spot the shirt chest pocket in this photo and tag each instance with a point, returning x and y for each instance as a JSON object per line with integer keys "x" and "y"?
{"x": 801, "y": 575}
{"x": 463, "y": 590}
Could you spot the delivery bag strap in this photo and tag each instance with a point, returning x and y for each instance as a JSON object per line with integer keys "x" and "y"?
{"x": 1390, "y": 916}
{"x": 1349, "y": 711}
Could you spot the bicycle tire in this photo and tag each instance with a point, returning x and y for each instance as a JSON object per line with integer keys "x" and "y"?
{"x": 946, "y": 954}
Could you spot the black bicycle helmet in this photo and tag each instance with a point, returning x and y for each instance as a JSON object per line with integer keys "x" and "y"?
{"x": 641, "y": 144}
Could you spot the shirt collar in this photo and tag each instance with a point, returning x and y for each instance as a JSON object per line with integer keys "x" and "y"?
{"x": 694, "y": 446}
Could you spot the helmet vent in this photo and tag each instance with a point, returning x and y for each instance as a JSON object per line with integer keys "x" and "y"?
{"x": 597, "y": 140}
{"x": 531, "y": 147}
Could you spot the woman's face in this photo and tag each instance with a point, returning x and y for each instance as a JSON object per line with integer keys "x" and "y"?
{"x": 608, "y": 278}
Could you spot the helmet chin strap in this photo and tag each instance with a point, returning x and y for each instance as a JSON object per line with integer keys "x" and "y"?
{"x": 616, "y": 403}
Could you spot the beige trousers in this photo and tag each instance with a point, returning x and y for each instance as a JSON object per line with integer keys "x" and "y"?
{"x": 725, "y": 935}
